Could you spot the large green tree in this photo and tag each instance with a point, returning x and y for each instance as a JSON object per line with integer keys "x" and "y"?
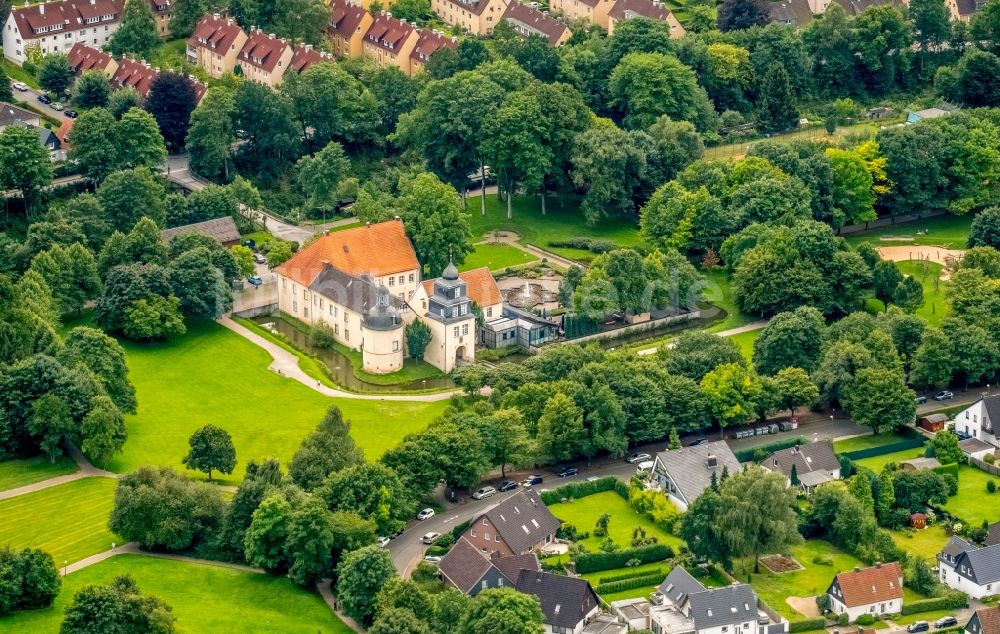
{"x": 211, "y": 449}
{"x": 757, "y": 513}
{"x": 171, "y": 100}
{"x": 328, "y": 449}
{"x": 502, "y": 611}
{"x": 879, "y": 398}
{"x": 360, "y": 576}
{"x": 776, "y": 108}
{"x": 644, "y": 86}
{"x": 92, "y": 90}
{"x": 24, "y": 164}
{"x": 211, "y": 136}
{"x": 435, "y": 222}
{"x": 136, "y": 34}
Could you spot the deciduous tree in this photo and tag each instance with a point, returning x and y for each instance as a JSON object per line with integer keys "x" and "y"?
{"x": 92, "y": 90}
{"x": 136, "y": 33}
{"x": 211, "y": 450}
{"x": 360, "y": 576}
{"x": 171, "y": 100}
{"x": 328, "y": 449}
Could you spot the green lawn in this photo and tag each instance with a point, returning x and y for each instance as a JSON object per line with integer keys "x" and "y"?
{"x": 935, "y": 305}
{"x": 719, "y": 292}
{"x": 930, "y": 617}
{"x": 865, "y": 441}
{"x": 560, "y": 222}
{"x": 16, "y": 73}
{"x": 643, "y": 591}
{"x": 876, "y": 463}
{"x": 973, "y": 504}
{"x": 944, "y": 231}
{"x": 738, "y": 150}
{"x": 205, "y": 598}
{"x": 212, "y": 375}
{"x": 496, "y": 257}
{"x": 745, "y": 341}
{"x": 583, "y": 513}
{"x": 17, "y": 473}
{"x": 926, "y": 543}
{"x": 70, "y": 521}
{"x": 811, "y": 580}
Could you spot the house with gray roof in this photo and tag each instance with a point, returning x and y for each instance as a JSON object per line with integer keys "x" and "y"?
{"x": 812, "y": 464}
{"x": 970, "y": 569}
{"x": 794, "y": 13}
{"x": 568, "y": 603}
{"x": 518, "y": 525}
{"x": 222, "y": 229}
{"x": 981, "y": 420}
{"x": 470, "y": 570}
{"x": 683, "y": 474}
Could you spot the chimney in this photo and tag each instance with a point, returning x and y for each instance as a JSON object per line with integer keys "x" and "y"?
{"x": 41, "y": 8}
{"x": 270, "y": 36}
{"x": 878, "y": 565}
{"x": 309, "y": 47}
{"x": 229, "y": 21}
{"x": 712, "y": 461}
{"x": 857, "y": 569}
{"x": 215, "y": 15}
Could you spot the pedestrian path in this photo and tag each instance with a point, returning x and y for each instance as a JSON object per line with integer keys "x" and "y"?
{"x": 85, "y": 470}
{"x": 754, "y": 325}
{"x": 327, "y": 593}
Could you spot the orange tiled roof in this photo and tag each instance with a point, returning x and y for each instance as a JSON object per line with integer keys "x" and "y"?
{"x": 215, "y": 32}
{"x": 871, "y": 585}
{"x": 380, "y": 249}
{"x": 83, "y": 58}
{"x": 479, "y": 284}
{"x": 263, "y": 50}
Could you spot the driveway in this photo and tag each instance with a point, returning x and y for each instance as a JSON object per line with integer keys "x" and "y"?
{"x": 31, "y": 97}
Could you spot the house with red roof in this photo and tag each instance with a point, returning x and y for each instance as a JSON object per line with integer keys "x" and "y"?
{"x": 264, "y": 58}
{"x": 161, "y": 14}
{"x": 305, "y": 55}
{"x": 649, "y": 9}
{"x": 428, "y": 42}
{"x": 347, "y": 28}
{"x": 55, "y": 27}
{"x": 389, "y": 41}
{"x": 875, "y": 590}
{"x": 134, "y": 74}
{"x": 529, "y": 19}
{"x": 83, "y": 58}
{"x": 215, "y": 45}
{"x": 478, "y": 17}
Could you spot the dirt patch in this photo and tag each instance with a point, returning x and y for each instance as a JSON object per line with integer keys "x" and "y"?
{"x": 780, "y": 563}
{"x": 913, "y": 252}
{"x": 806, "y": 606}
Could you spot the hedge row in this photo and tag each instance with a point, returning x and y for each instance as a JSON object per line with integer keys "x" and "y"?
{"x": 951, "y": 601}
{"x": 650, "y": 579}
{"x": 596, "y": 562}
{"x": 902, "y": 445}
{"x": 746, "y": 455}
{"x": 630, "y": 575}
{"x": 805, "y": 625}
{"x": 578, "y": 490}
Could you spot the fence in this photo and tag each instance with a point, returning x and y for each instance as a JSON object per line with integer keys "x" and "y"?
{"x": 985, "y": 466}
{"x": 888, "y": 221}
{"x": 882, "y": 450}
{"x": 652, "y": 324}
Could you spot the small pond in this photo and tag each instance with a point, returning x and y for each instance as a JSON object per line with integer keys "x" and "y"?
{"x": 340, "y": 365}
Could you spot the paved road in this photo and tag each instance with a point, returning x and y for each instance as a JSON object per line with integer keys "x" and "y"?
{"x": 31, "y": 97}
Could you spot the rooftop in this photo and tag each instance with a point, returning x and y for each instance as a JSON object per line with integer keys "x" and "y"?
{"x": 691, "y": 468}
{"x": 389, "y": 33}
{"x": 11, "y": 114}
{"x": 522, "y": 520}
{"x": 222, "y": 229}
{"x": 864, "y": 586}
{"x": 215, "y": 32}
{"x": 565, "y": 600}
{"x": 83, "y": 58}
{"x": 64, "y": 15}
{"x": 429, "y": 42}
{"x": 345, "y": 18}
{"x": 263, "y": 50}
{"x": 533, "y": 18}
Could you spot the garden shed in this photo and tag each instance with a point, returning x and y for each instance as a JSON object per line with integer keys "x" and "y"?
{"x": 933, "y": 422}
{"x": 918, "y": 521}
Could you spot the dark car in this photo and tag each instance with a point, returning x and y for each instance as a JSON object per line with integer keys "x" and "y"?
{"x": 507, "y": 485}
{"x": 568, "y": 471}
{"x": 920, "y": 400}
{"x": 531, "y": 480}
{"x": 43, "y": 98}
{"x": 70, "y": 113}
{"x": 946, "y": 621}
{"x": 918, "y": 626}
{"x": 698, "y": 441}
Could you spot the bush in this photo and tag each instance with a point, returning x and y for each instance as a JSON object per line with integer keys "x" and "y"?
{"x": 805, "y": 625}
{"x": 902, "y": 445}
{"x": 950, "y": 601}
{"x": 629, "y": 584}
{"x": 631, "y": 575}
{"x": 555, "y": 567}
{"x": 989, "y": 459}
{"x": 746, "y": 455}
{"x": 321, "y": 336}
{"x": 447, "y": 540}
{"x": 866, "y": 619}
{"x": 596, "y": 562}
{"x": 823, "y": 602}
{"x": 30, "y": 579}
{"x": 437, "y": 551}
{"x": 823, "y": 560}
{"x": 458, "y": 530}
{"x": 991, "y": 486}
{"x": 842, "y": 619}
{"x": 576, "y": 490}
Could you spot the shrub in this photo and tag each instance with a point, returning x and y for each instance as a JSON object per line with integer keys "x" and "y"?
{"x": 447, "y": 540}
{"x": 608, "y": 545}
{"x": 458, "y": 530}
{"x": 805, "y": 625}
{"x": 596, "y": 562}
{"x": 869, "y": 452}
{"x": 823, "y": 602}
{"x": 899, "y": 518}
{"x": 577, "y": 490}
{"x": 555, "y": 566}
{"x": 991, "y": 486}
{"x": 950, "y": 601}
{"x": 436, "y": 550}
{"x": 866, "y": 619}
{"x": 823, "y": 560}
{"x": 631, "y": 575}
{"x": 321, "y": 336}
{"x": 989, "y": 459}
{"x": 649, "y": 579}
{"x": 842, "y": 619}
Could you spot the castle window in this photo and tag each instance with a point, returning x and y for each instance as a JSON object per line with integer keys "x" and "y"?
{"x": 456, "y": 331}
{"x": 391, "y": 281}
{"x": 465, "y": 329}
{"x": 395, "y": 345}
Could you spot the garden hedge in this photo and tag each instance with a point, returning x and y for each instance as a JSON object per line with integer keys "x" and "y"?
{"x": 805, "y": 625}
{"x": 746, "y": 455}
{"x": 902, "y": 445}
{"x": 650, "y": 579}
{"x": 577, "y": 490}
{"x": 951, "y": 601}
{"x": 596, "y": 562}
{"x": 630, "y": 575}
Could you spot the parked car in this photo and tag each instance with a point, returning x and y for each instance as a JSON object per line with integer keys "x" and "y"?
{"x": 20, "y": 86}
{"x": 507, "y": 485}
{"x": 645, "y": 467}
{"x": 944, "y": 395}
{"x": 430, "y": 538}
{"x": 961, "y": 435}
{"x": 255, "y": 280}
{"x": 432, "y": 559}
{"x": 484, "y": 492}
{"x": 530, "y": 480}
{"x": 920, "y": 400}
{"x": 698, "y": 441}
{"x": 259, "y": 258}
{"x": 593, "y": 478}
{"x": 918, "y": 626}
{"x": 383, "y": 541}
{"x": 425, "y": 514}
{"x": 639, "y": 456}
{"x": 565, "y": 472}
{"x": 946, "y": 621}
{"x": 43, "y": 98}
{"x": 56, "y": 105}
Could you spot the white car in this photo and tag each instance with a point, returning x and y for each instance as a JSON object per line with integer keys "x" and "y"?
{"x": 644, "y": 467}
{"x": 425, "y": 514}
{"x": 430, "y": 538}
{"x": 639, "y": 456}
{"x": 20, "y": 86}
{"x": 432, "y": 559}
{"x": 484, "y": 492}
{"x": 383, "y": 541}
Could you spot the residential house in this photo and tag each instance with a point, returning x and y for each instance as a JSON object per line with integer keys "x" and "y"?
{"x": 528, "y": 19}
{"x": 518, "y": 525}
{"x": 134, "y": 74}
{"x": 215, "y": 45}
{"x": 483, "y": 291}
{"x": 264, "y": 58}
{"x": 13, "y": 115}
{"x": 517, "y": 327}
{"x": 683, "y": 474}
{"x": 592, "y": 11}
{"x": 875, "y": 590}
{"x": 222, "y": 229}
{"x": 981, "y": 419}
{"x": 63, "y": 133}
{"x": 477, "y": 17}
{"x": 975, "y": 448}
{"x": 363, "y": 283}
{"x": 791, "y": 12}
{"x": 83, "y": 57}
{"x": 650, "y": 9}
{"x": 305, "y": 55}
{"x": 161, "y": 14}
{"x": 964, "y": 9}
{"x": 857, "y": 7}
{"x": 568, "y": 603}
{"x": 683, "y": 605}
{"x": 984, "y": 621}
{"x": 471, "y": 571}
{"x": 970, "y": 569}
{"x": 993, "y": 534}
{"x": 389, "y": 41}
{"x": 812, "y": 464}
{"x": 428, "y": 42}
{"x": 347, "y": 28}
{"x": 54, "y": 27}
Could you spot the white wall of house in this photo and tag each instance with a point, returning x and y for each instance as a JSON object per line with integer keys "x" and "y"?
{"x": 16, "y": 43}
{"x": 661, "y": 478}
{"x": 970, "y": 421}
{"x": 579, "y": 626}
{"x": 892, "y": 606}
{"x": 748, "y": 627}
{"x": 952, "y": 579}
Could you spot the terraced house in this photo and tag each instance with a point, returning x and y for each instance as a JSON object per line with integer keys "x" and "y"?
{"x": 215, "y": 45}
{"x": 428, "y": 42}
{"x": 264, "y": 58}
{"x": 390, "y": 41}
{"x": 54, "y": 27}
{"x": 347, "y": 28}
{"x": 649, "y": 9}
{"x": 478, "y": 17}
{"x": 592, "y": 11}
{"x": 529, "y": 19}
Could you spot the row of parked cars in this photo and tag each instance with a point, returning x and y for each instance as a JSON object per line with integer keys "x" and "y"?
{"x": 923, "y": 626}
{"x": 510, "y": 485}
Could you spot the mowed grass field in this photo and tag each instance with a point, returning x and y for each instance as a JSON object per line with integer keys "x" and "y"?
{"x": 69, "y": 521}
{"x": 943, "y": 231}
{"x": 18, "y": 473}
{"x": 212, "y": 375}
{"x": 583, "y": 513}
{"x": 495, "y": 257}
{"x": 206, "y": 599}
